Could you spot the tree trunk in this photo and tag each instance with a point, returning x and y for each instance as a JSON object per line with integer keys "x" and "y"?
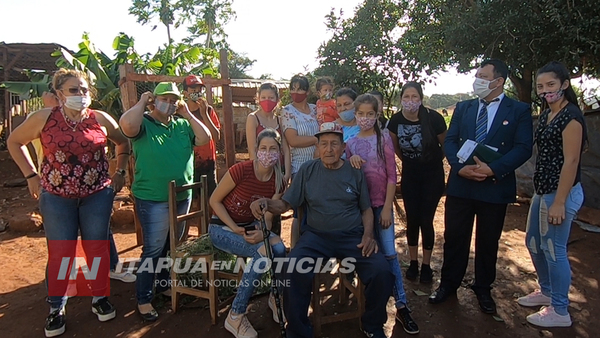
{"x": 169, "y": 34}
{"x": 524, "y": 85}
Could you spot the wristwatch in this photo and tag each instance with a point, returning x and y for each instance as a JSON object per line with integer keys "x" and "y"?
{"x": 120, "y": 172}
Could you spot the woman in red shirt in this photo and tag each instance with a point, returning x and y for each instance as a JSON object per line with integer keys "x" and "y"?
{"x": 73, "y": 186}
{"x": 244, "y": 183}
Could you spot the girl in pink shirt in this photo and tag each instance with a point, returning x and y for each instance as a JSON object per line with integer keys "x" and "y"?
{"x": 373, "y": 151}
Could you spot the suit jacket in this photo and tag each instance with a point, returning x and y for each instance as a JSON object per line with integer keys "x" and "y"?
{"x": 511, "y": 132}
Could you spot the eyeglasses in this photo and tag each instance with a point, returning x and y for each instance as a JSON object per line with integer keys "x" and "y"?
{"x": 76, "y": 90}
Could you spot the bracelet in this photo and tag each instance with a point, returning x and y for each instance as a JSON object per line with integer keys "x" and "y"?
{"x": 33, "y": 174}
{"x": 123, "y": 154}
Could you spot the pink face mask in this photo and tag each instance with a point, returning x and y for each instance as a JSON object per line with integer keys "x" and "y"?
{"x": 267, "y": 158}
{"x": 411, "y": 106}
{"x": 365, "y": 123}
{"x": 552, "y": 97}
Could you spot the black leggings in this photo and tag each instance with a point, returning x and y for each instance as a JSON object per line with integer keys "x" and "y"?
{"x": 421, "y": 193}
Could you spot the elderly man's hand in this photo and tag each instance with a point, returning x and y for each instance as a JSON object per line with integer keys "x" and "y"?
{"x": 368, "y": 245}
{"x": 259, "y": 207}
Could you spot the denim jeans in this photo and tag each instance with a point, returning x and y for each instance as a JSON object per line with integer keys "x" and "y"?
{"x": 114, "y": 254}
{"x": 64, "y": 218}
{"x": 386, "y": 239}
{"x": 547, "y": 246}
{"x": 154, "y": 218}
{"x": 373, "y": 271}
{"x": 224, "y": 239}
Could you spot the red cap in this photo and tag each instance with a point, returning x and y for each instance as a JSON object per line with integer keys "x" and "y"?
{"x": 193, "y": 80}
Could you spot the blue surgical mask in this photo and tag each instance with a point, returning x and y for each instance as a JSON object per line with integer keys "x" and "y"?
{"x": 347, "y": 115}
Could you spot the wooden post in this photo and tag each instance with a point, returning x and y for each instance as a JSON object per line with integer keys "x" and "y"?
{"x": 128, "y": 100}
{"x": 7, "y": 111}
{"x": 227, "y": 112}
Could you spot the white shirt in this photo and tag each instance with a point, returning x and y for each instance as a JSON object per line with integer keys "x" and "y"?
{"x": 492, "y": 109}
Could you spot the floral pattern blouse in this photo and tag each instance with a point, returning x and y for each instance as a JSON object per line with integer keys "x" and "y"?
{"x": 549, "y": 143}
{"x": 75, "y": 163}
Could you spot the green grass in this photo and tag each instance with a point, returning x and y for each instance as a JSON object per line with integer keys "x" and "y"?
{"x": 447, "y": 119}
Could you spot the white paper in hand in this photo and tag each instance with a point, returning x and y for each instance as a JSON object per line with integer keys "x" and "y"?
{"x": 466, "y": 150}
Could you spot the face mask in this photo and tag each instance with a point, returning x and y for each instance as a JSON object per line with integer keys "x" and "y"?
{"x": 366, "y": 123}
{"x": 347, "y": 115}
{"x": 195, "y": 96}
{"x": 297, "y": 97}
{"x": 327, "y": 96}
{"x": 165, "y": 107}
{"x": 481, "y": 87}
{"x": 552, "y": 97}
{"x": 267, "y": 105}
{"x": 411, "y": 106}
{"x": 267, "y": 158}
{"x": 77, "y": 102}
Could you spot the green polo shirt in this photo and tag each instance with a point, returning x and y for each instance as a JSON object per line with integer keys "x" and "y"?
{"x": 162, "y": 153}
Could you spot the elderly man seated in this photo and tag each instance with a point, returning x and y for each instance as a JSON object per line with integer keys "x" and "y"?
{"x": 340, "y": 224}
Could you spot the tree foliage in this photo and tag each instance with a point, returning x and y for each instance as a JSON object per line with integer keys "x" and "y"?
{"x": 364, "y": 51}
{"x": 439, "y": 101}
{"x": 203, "y": 19}
{"x": 239, "y": 64}
{"x": 525, "y": 34}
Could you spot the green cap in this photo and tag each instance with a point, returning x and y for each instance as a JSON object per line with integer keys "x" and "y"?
{"x": 165, "y": 88}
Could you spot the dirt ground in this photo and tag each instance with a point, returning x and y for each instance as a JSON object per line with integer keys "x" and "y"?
{"x": 22, "y": 292}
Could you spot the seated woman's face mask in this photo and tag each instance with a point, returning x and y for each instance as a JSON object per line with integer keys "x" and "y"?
{"x": 267, "y": 158}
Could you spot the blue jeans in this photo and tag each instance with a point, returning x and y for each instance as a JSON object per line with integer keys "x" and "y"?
{"x": 64, "y": 218}
{"x": 154, "y": 218}
{"x": 547, "y": 246}
{"x": 386, "y": 239}
{"x": 114, "y": 254}
{"x": 373, "y": 271}
{"x": 224, "y": 239}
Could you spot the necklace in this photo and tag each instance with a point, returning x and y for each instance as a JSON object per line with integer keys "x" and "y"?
{"x": 72, "y": 123}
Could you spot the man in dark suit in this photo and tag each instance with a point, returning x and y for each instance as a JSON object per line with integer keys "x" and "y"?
{"x": 482, "y": 189}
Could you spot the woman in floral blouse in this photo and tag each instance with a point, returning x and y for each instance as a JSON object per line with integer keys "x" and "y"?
{"x": 74, "y": 187}
{"x": 559, "y": 139}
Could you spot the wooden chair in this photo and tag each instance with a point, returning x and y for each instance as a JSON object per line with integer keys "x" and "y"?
{"x": 340, "y": 286}
{"x": 176, "y": 250}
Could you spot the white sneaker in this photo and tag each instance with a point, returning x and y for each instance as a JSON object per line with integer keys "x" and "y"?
{"x": 547, "y": 317}
{"x": 536, "y": 298}
{"x": 273, "y": 307}
{"x": 240, "y": 327}
{"x": 124, "y": 276}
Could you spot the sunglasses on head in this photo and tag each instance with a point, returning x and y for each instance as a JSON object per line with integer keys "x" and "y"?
{"x": 76, "y": 90}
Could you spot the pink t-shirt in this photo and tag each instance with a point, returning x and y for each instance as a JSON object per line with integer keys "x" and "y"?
{"x": 378, "y": 172}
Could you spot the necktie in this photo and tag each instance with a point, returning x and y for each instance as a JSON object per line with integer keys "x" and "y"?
{"x": 482, "y": 121}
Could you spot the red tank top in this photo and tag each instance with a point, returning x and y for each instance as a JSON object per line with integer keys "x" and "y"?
{"x": 74, "y": 164}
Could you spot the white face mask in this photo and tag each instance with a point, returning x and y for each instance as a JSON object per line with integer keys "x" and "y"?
{"x": 77, "y": 102}
{"x": 481, "y": 87}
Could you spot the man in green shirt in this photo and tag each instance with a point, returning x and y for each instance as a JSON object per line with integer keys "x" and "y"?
{"x": 163, "y": 151}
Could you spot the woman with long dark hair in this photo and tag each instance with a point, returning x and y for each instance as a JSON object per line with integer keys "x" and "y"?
{"x": 560, "y": 137}
{"x": 418, "y": 135}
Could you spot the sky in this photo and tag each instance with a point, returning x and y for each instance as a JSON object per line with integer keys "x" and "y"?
{"x": 281, "y": 35}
